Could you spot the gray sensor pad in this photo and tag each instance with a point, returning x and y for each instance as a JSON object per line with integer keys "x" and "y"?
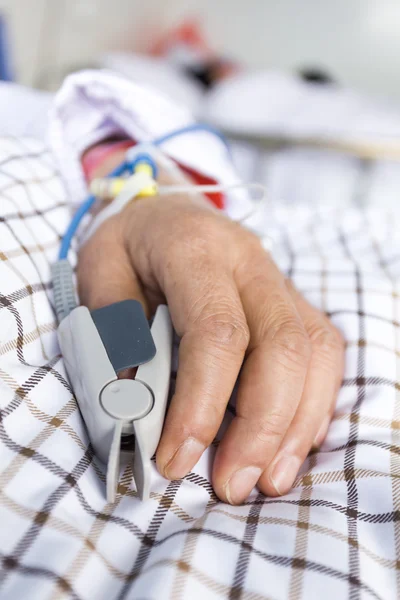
{"x": 125, "y": 333}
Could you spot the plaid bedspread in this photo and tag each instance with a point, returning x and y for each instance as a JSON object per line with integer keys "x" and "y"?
{"x": 336, "y": 535}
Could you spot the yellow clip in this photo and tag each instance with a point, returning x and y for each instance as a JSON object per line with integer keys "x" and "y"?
{"x": 150, "y": 190}
{"x": 109, "y": 188}
{"x": 116, "y": 186}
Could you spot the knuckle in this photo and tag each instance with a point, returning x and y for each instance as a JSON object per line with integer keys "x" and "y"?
{"x": 293, "y": 345}
{"x": 200, "y": 430}
{"x": 328, "y": 350}
{"x": 225, "y": 329}
{"x": 327, "y": 340}
{"x": 250, "y": 240}
{"x": 270, "y": 428}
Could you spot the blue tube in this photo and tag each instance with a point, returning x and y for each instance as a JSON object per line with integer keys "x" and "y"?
{"x": 191, "y": 129}
{"x": 80, "y": 213}
{"x": 142, "y": 157}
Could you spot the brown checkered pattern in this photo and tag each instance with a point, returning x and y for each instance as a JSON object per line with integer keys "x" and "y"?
{"x": 336, "y": 535}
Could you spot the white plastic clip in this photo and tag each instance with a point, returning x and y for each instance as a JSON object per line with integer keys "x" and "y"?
{"x": 95, "y": 348}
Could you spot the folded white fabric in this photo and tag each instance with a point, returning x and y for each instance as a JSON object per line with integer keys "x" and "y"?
{"x": 93, "y": 105}
{"x": 159, "y": 74}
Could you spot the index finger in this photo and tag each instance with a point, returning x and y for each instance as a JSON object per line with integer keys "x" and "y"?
{"x": 206, "y": 311}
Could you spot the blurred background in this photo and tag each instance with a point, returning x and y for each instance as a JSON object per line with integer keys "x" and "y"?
{"x": 356, "y": 41}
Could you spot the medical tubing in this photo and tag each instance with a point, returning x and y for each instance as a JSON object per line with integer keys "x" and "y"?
{"x": 89, "y": 202}
{"x": 63, "y": 289}
{"x": 192, "y": 129}
{"x": 80, "y": 213}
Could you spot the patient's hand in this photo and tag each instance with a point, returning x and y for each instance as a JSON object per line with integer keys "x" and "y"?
{"x": 238, "y": 317}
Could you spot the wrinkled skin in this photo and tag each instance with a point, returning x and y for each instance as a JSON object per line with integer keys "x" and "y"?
{"x": 236, "y": 313}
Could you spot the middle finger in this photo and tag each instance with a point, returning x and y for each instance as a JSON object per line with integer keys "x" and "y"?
{"x": 272, "y": 379}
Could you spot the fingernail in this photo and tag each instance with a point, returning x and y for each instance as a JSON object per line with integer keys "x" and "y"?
{"x": 184, "y": 459}
{"x": 284, "y": 473}
{"x": 323, "y": 430}
{"x": 239, "y": 486}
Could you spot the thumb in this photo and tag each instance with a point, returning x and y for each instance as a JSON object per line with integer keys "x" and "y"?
{"x": 105, "y": 272}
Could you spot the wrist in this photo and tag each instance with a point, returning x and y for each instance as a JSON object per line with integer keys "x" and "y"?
{"x": 99, "y": 160}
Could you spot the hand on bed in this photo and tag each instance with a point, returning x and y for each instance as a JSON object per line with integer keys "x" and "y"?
{"x": 236, "y": 315}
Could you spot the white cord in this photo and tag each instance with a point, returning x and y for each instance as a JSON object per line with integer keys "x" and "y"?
{"x": 139, "y": 181}
{"x": 171, "y": 166}
{"x": 210, "y": 189}
{"x": 267, "y": 241}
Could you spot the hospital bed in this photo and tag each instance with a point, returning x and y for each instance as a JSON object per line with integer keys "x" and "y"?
{"x": 334, "y": 220}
